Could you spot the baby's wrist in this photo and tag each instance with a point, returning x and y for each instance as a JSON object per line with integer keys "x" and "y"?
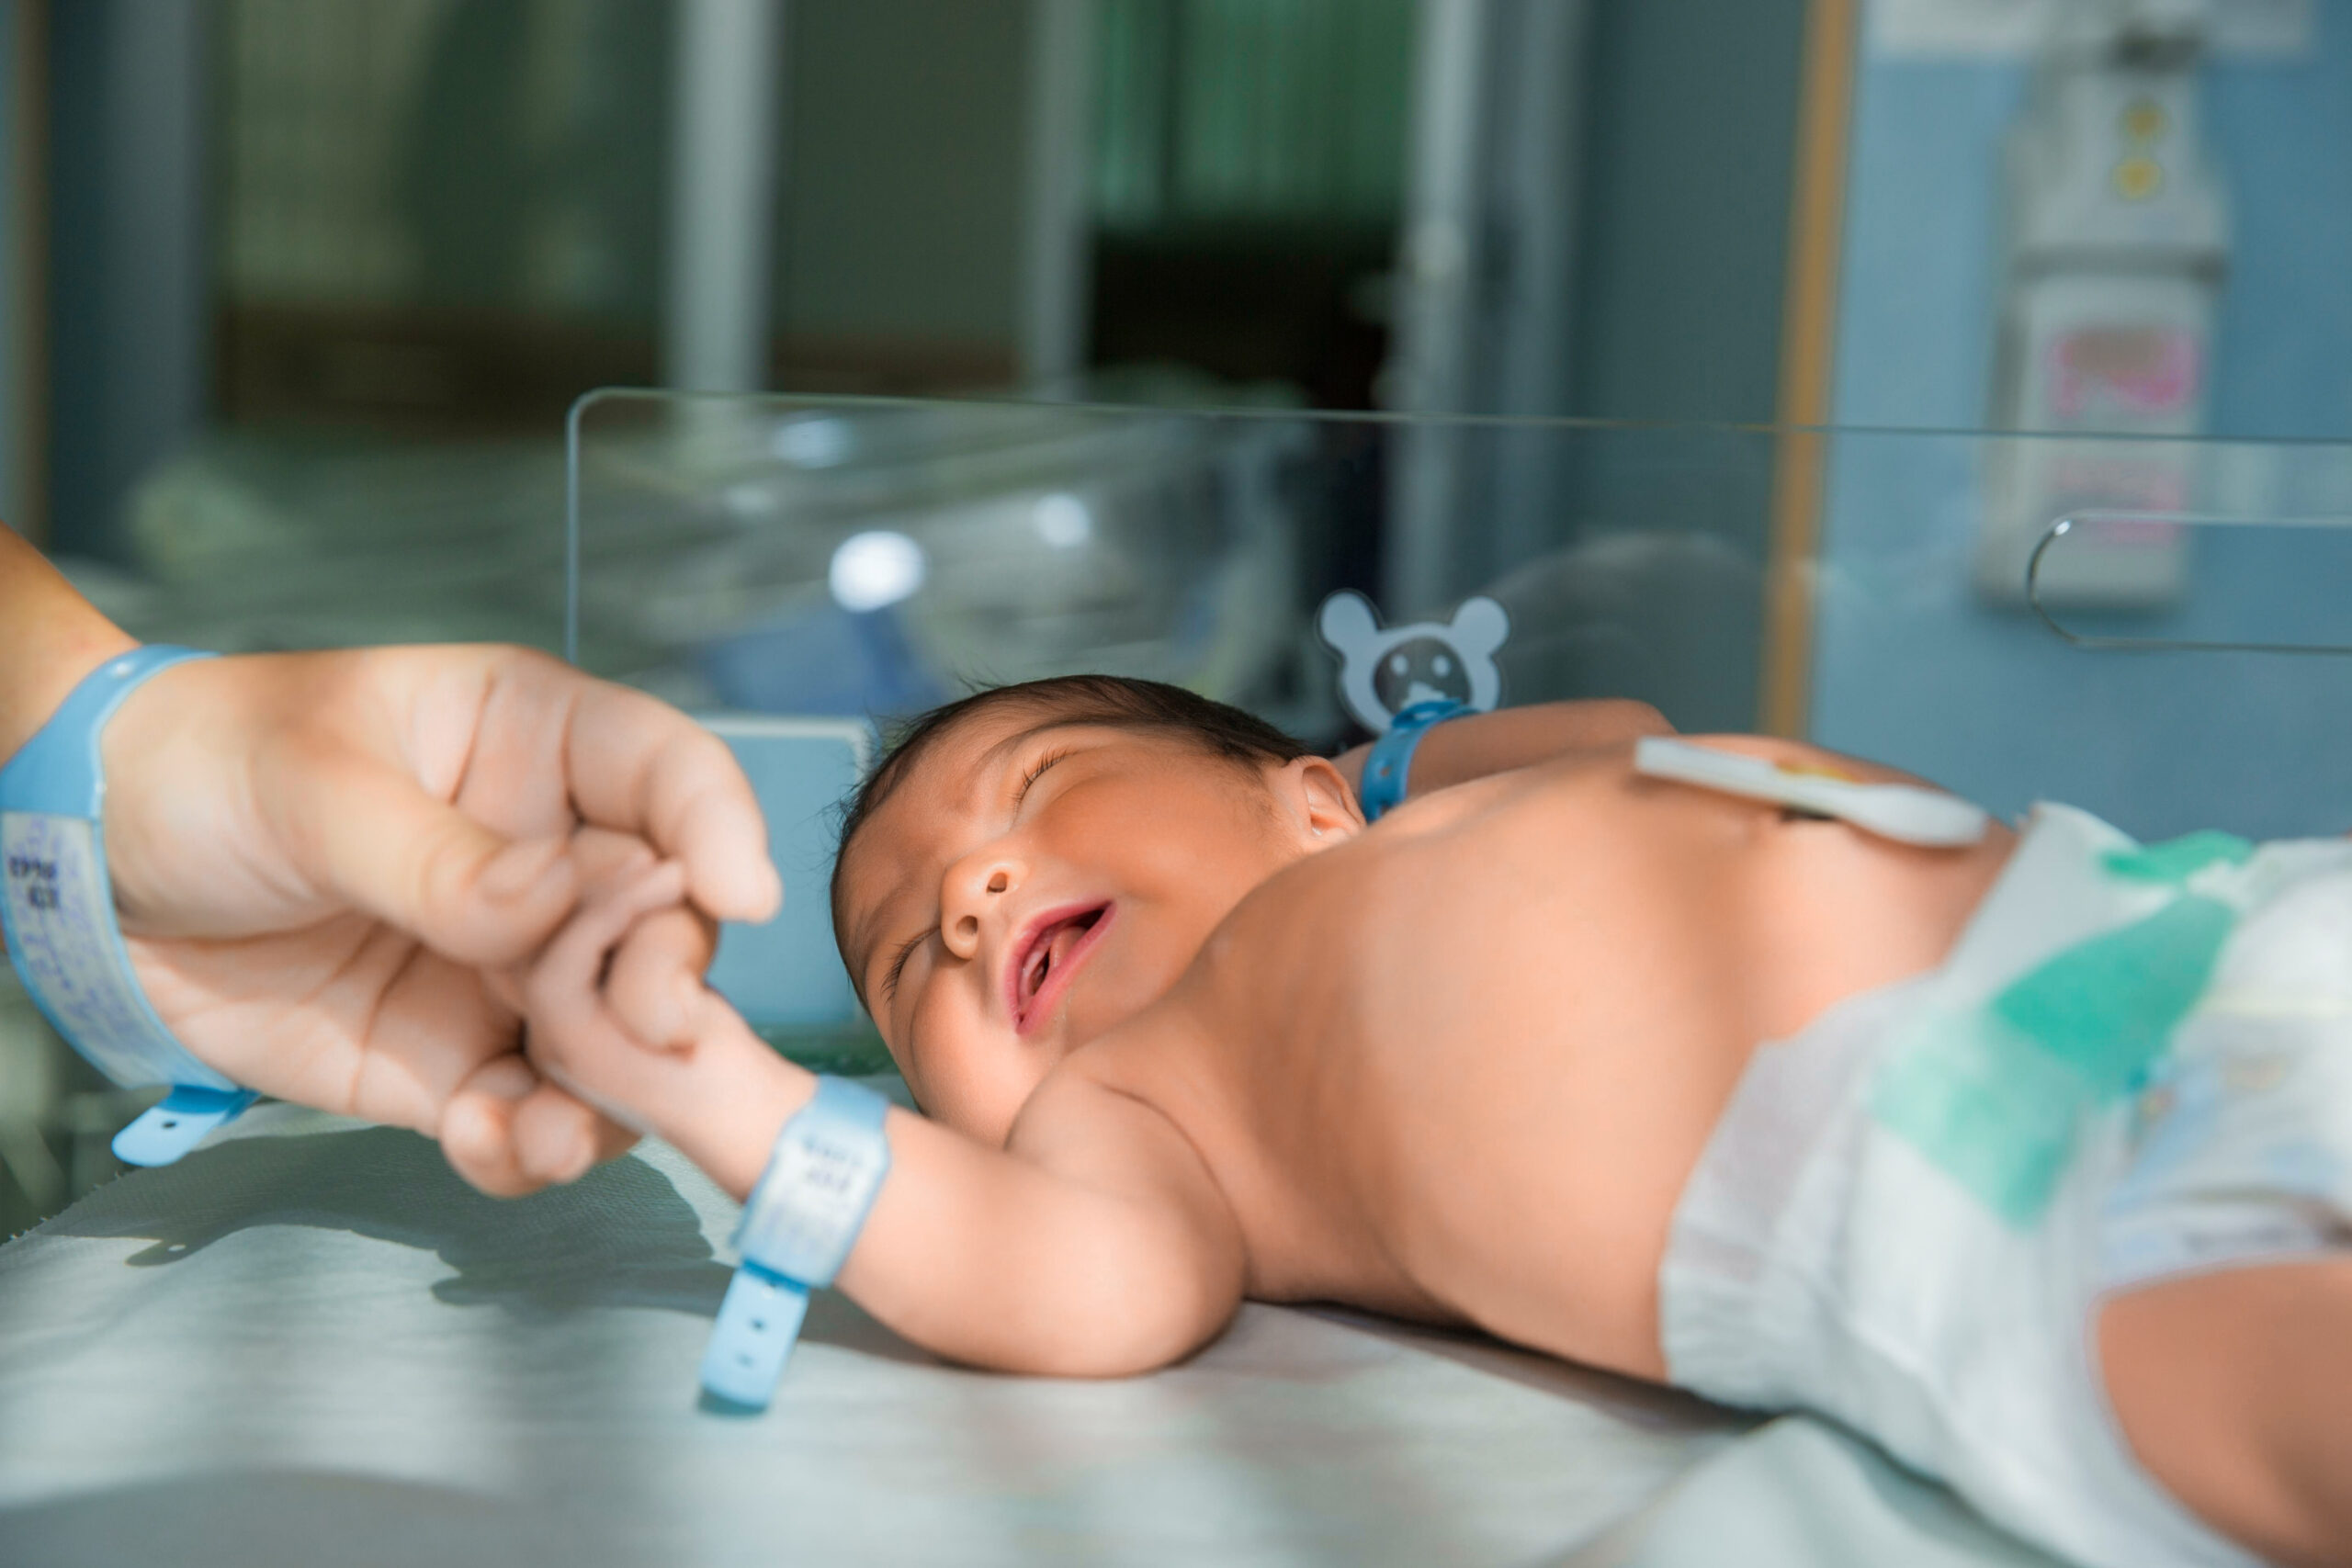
{"x": 744, "y": 1094}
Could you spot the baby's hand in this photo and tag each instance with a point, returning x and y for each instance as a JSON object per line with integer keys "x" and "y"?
{"x": 652, "y": 980}
{"x": 713, "y": 1089}
{"x": 581, "y": 1009}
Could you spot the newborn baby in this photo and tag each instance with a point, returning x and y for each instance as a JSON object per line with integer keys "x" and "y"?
{"x": 1952, "y": 1145}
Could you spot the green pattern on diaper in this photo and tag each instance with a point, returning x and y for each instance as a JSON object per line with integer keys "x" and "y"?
{"x": 1993, "y": 1098}
{"x": 2108, "y": 1006}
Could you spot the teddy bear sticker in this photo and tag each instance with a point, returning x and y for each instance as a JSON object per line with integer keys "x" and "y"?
{"x": 1384, "y": 670}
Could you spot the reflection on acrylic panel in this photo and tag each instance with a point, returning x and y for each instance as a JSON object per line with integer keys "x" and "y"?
{"x": 733, "y": 562}
{"x": 783, "y": 974}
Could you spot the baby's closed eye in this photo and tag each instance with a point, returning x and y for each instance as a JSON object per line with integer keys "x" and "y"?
{"x": 907, "y": 950}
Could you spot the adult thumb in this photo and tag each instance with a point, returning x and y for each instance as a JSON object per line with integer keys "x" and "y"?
{"x": 373, "y": 839}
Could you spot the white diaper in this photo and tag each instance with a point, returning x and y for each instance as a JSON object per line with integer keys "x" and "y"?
{"x": 1908, "y": 1214}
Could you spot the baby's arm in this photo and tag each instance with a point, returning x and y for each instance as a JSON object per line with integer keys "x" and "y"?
{"x": 1471, "y": 748}
{"x": 1095, "y": 1243}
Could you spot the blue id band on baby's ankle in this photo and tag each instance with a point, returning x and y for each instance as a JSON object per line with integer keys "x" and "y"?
{"x": 798, "y": 1224}
{"x": 58, "y": 912}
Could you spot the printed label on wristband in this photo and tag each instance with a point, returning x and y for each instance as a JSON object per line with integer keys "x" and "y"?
{"x": 60, "y": 929}
{"x": 829, "y": 1175}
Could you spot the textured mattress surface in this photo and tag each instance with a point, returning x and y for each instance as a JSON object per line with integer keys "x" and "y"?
{"x": 309, "y": 1341}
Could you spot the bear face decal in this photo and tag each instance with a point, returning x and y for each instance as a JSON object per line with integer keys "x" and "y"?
{"x": 1384, "y": 672}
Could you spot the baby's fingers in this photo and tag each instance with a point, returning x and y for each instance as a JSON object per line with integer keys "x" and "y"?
{"x": 572, "y": 972}
{"x": 654, "y": 986}
{"x": 604, "y": 863}
{"x": 563, "y": 995}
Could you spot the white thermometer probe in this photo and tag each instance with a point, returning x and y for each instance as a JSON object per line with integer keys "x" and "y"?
{"x": 1905, "y": 813}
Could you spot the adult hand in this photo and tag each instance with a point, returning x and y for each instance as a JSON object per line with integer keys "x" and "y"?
{"x": 325, "y": 862}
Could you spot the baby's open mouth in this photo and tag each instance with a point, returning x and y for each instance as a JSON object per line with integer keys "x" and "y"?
{"x": 1042, "y": 967}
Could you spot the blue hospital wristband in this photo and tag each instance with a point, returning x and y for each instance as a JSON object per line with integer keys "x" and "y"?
{"x": 59, "y": 913}
{"x": 799, "y": 1225}
{"x": 1390, "y": 764}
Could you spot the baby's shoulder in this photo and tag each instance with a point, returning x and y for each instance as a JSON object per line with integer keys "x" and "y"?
{"x": 1127, "y": 1108}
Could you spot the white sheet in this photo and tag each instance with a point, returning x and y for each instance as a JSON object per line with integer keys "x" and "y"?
{"x": 1803, "y": 1494}
{"x": 310, "y": 1342}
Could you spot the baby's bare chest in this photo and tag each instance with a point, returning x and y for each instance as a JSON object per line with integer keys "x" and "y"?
{"x": 1465, "y": 1074}
{"x": 1458, "y": 1084}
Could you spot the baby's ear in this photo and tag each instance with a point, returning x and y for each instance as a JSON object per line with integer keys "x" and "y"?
{"x": 1319, "y": 796}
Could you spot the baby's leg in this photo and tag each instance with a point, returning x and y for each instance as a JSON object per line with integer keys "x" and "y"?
{"x": 2234, "y": 1389}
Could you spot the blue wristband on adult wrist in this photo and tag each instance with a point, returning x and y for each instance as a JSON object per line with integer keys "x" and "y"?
{"x": 63, "y": 933}
{"x": 1388, "y": 767}
{"x": 799, "y": 1225}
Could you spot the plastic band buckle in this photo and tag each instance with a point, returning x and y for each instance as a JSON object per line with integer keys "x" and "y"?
{"x": 58, "y": 909}
{"x": 803, "y": 1217}
{"x": 1389, "y": 765}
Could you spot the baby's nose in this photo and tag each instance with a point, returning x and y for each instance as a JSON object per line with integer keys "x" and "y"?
{"x": 964, "y": 931}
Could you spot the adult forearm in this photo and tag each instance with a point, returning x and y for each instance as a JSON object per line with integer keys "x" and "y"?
{"x": 49, "y": 637}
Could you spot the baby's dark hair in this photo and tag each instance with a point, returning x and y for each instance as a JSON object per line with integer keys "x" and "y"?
{"x": 1120, "y": 702}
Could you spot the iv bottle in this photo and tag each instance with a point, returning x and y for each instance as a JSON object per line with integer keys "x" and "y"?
{"x": 2117, "y": 242}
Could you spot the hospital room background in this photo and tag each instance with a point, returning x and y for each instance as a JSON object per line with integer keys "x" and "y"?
{"x": 1966, "y": 384}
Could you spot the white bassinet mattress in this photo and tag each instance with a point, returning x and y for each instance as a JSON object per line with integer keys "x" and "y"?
{"x": 311, "y": 1342}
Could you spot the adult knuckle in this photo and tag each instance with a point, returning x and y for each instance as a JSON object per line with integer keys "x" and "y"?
{"x": 443, "y": 867}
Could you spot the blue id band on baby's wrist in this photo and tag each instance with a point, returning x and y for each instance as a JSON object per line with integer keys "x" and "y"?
{"x": 58, "y": 912}
{"x": 799, "y": 1225}
{"x": 1387, "y": 769}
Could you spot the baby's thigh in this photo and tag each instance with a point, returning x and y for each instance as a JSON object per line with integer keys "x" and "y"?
{"x": 2234, "y": 1389}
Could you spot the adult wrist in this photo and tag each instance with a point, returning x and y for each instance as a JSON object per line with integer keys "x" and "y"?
{"x": 58, "y": 904}
{"x": 40, "y": 669}
{"x": 50, "y": 639}
{"x": 164, "y": 735}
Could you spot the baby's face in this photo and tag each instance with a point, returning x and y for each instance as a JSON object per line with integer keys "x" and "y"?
{"x": 1032, "y": 884}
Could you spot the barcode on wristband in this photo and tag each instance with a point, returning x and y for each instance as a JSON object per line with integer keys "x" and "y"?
{"x": 805, "y": 1215}
{"x": 62, "y": 935}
